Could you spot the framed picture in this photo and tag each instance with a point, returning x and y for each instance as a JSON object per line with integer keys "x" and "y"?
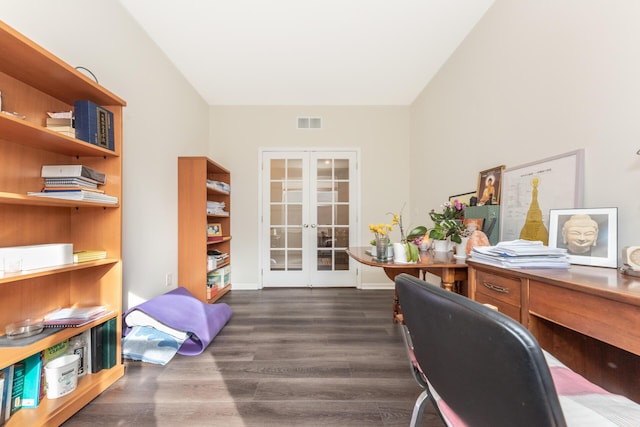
{"x": 558, "y": 181}
{"x": 590, "y": 236}
{"x": 463, "y": 198}
{"x": 214, "y": 230}
{"x": 489, "y": 182}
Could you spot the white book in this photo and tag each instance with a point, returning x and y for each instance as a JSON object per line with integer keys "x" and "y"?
{"x": 55, "y": 171}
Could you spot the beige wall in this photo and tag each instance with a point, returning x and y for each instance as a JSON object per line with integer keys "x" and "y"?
{"x": 380, "y": 133}
{"x": 535, "y": 79}
{"x": 164, "y": 118}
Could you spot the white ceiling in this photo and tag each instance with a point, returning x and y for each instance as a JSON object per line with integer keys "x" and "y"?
{"x": 298, "y": 52}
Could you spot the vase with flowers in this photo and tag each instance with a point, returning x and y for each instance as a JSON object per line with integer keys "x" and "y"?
{"x": 381, "y": 237}
{"x": 407, "y": 250}
{"x": 447, "y": 224}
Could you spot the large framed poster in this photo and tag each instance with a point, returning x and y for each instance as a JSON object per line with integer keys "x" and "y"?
{"x": 559, "y": 182}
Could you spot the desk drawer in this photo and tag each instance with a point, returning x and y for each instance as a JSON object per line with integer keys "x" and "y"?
{"x": 613, "y": 322}
{"x": 501, "y": 288}
{"x": 504, "y": 308}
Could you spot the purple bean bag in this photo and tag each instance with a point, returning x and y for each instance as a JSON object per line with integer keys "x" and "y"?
{"x": 179, "y": 310}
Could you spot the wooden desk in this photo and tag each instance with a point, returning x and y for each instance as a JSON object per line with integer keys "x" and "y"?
{"x": 588, "y": 317}
{"x": 444, "y": 265}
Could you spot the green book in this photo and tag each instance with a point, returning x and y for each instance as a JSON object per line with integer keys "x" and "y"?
{"x": 32, "y": 378}
{"x": 18, "y": 386}
{"x": 109, "y": 343}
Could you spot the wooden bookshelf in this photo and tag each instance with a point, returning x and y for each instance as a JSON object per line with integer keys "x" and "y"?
{"x": 193, "y": 195}
{"x": 34, "y": 82}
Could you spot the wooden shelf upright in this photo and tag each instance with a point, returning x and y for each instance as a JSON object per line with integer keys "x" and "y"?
{"x": 34, "y": 82}
{"x": 193, "y": 218}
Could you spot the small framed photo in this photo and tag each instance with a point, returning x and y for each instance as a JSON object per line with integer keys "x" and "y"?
{"x": 489, "y": 186}
{"x": 214, "y": 230}
{"x": 590, "y": 236}
{"x": 463, "y": 198}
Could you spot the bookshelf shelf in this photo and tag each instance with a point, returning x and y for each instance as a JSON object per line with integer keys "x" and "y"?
{"x": 23, "y": 199}
{"x": 56, "y": 411}
{"x": 32, "y": 274}
{"x": 34, "y": 82}
{"x": 219, "y": 294}
{"x": 16, "y": 354}
{"x": 25, "y": 133}
{"x": 193, "y": 195}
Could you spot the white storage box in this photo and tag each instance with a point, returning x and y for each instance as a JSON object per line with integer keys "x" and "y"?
{"x": 39, "y": 256}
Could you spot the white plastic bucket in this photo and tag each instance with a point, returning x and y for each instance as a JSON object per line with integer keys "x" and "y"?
{"x": 61, "y": 375}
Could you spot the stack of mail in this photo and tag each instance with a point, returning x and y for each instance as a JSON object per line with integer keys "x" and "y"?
{"x": 521, "y": 254}
{"x": 216, "y": 208}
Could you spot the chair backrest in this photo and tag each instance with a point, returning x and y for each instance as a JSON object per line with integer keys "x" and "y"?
{"x": 486, "y": 367}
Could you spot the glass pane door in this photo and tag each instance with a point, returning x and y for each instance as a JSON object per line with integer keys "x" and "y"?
{"x": 308, "y": 214}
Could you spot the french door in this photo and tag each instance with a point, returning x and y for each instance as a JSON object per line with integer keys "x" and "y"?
{"x": 308, "y": 217}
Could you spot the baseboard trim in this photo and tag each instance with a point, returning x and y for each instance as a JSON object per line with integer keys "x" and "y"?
{"x": 363, "y": 286}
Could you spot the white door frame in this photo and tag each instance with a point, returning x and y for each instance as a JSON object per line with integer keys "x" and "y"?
{"x": 354, "y": 200}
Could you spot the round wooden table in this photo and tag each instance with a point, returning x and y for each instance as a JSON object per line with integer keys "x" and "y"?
{"x": 442, "y": 264}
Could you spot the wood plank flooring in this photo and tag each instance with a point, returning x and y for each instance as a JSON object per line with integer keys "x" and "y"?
{"x": 288, "y": 357}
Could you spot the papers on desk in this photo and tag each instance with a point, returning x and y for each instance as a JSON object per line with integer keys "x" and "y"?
{"x": 521, "y": 254}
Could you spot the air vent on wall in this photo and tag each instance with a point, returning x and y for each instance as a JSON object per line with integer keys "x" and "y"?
{"x": 309, "y": 123}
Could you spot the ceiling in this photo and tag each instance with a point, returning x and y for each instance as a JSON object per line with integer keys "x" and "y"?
{"x": 298, "y": 52}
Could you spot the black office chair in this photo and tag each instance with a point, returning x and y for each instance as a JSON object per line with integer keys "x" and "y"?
{"x": 479, "y": 365}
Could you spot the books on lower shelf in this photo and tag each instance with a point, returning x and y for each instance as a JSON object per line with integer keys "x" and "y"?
{"x": 24, "y": 383}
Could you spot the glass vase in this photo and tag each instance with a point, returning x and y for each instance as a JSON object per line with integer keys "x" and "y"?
{"x": 382, "y": 248}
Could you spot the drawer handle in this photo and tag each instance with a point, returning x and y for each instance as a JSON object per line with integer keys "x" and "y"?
{"x": 496, "y": 288}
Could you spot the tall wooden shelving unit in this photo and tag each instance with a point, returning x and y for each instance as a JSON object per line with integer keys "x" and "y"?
{"x": 193, "y": 194}
{"x": 33, "y": 82}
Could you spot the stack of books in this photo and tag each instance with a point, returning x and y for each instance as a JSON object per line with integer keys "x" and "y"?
{"x": 63, "y": 126}
{"x": 219, "y": 185}
{"x": 521, "y": 254}
{"x": 73, "y": 182}
{"x": 89, "y": 255}
{"x": 216, "y": 208}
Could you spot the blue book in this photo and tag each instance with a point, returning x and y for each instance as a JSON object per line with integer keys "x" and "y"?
{"x": 32, "y": 380}
{"x": 5, "y": 411}
{"x": 94, "y": 124}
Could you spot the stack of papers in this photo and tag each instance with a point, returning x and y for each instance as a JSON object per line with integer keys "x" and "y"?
{"x": 70, "y": 317}
{"x": 521, "y": 254}
{"x": 219, "y": 185}
{"x": 216, "y": 208}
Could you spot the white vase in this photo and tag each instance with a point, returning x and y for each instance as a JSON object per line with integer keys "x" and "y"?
{"x": 399, "y": 253}
{"x": 441, "y": 245}
{"x": 461, "y": 248}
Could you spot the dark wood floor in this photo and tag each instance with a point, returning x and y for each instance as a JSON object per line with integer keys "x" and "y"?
{"x": 288, "y": 357}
